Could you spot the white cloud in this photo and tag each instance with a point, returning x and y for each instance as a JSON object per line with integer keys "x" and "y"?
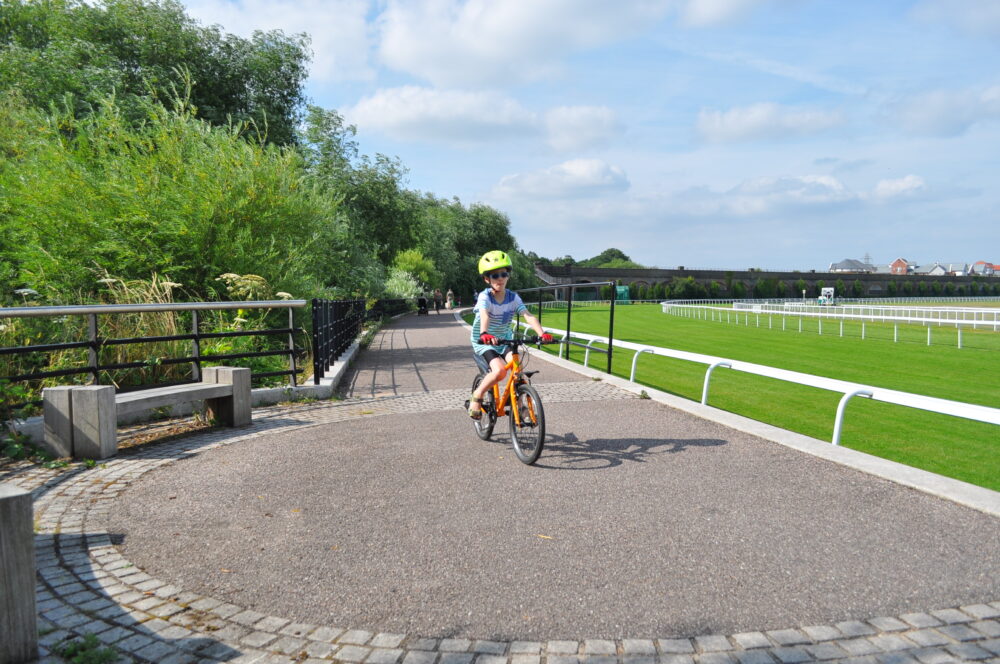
{"x": 947, "y": 112}
{"x": 975, "y": 17}
{"x": 705, "y": 13}
{"x": 416, "y": 113}
{"x": 486, "y": 43}
{"x": 338, "y": 29}
{"x": 764, "y": 121}
{"x": 462, "y": 117}
{"x": 909, "y": 186}
{"x": 580, "y": 127}
{"x": 577, "y": 178}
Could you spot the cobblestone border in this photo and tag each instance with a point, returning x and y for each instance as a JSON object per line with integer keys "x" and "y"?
{"x": 86, "y": 586}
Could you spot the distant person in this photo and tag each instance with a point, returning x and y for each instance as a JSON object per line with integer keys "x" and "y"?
{"x": 438, "y": 300}
{"x": 449, "y": 299}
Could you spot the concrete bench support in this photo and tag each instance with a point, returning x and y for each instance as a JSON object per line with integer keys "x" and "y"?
{"x": 95, "y": 422}
{"x": 82, "y": 421}
{"x": 18, "y": 617}
{"x": 231, "y": 411}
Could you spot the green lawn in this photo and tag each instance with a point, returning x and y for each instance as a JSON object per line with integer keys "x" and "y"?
{"x": 950, "y": 446}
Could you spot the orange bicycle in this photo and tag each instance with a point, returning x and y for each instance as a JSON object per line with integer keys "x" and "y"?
{"x": 517, "y": 399}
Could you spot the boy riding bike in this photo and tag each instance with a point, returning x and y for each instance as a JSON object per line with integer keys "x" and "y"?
{"x": 495, "y": 310}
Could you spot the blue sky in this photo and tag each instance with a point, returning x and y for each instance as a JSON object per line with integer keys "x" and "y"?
{"x": 781, "y": 134}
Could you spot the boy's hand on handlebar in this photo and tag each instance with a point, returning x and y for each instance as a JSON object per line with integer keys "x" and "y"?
{"x": 546, "y": 338}
{"x": 488, "y": 339}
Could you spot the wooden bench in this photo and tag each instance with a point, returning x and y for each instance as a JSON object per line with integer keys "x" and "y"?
{"x": 82, "y": 421}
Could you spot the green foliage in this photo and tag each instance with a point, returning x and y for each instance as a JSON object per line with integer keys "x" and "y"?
{"x": 174, "y": 196}
{"x": 401, "y": 284}
{"x": 891, "y": 289}
{"x": 58, "y": 50}
{"x": 420, "y": 268}
{"x": 88, "y": 650}
{"x": 858, "y": 288}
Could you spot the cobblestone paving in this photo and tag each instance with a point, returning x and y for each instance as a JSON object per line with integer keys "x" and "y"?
{"x": 85, "y": 586}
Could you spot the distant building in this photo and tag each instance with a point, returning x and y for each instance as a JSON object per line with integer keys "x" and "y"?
{"x": 852, "y": 266}
{"x": 984, "y": 269}
{"x": 900, "y": 266}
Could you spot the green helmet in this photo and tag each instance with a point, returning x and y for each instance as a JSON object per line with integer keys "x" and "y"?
{"x": 493, "y": 260}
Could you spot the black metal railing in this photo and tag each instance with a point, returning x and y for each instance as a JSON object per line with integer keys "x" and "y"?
{"x": 336, "y": 323}
{"x": 570, "y": 289}
{"x": 95, "y": 343}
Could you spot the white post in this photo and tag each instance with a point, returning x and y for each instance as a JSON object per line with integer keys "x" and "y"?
{"x": 18, "y": 612}
{"x": 820, "y": 325}
{"x": 708, "y": 375}
{"x": 862, "y": 330}
{"x": 895, "y": 333}
{"x": 959, "y": 337}
{"x": 838, "y": 423}
{"x": 841, "y": 327}
{"x": 928, "y": 335}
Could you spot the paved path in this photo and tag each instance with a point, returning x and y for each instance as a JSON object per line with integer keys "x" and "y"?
{"x": 379, "y": 530}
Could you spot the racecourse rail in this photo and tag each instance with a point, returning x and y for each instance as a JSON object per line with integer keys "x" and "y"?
{"x": 848, "y": 389}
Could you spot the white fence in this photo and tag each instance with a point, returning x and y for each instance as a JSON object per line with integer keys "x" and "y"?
{"x": 957, "y": 316}
{"x": 847, "y": 389}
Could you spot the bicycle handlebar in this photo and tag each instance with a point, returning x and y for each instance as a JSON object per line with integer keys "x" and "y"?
{"x": 523, "y": 340}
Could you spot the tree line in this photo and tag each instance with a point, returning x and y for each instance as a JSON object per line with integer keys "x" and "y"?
{"x": 137, "y": 143}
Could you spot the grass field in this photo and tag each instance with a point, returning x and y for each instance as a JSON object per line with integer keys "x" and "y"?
{"x": 965, "y": 450}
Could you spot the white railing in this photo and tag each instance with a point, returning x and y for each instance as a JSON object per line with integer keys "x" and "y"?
{"x": 987, "y": 319}
{"x": 848, "y": 389}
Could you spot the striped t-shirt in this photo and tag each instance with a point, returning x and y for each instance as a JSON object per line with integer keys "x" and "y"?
{"x": 501, "y": 318}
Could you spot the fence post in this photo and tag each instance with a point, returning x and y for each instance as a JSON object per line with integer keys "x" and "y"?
{"x": 292, "y": 378}
{"x": 93, "y": 352}
{"x": 316, "y": 327}
{"x": 611, "y": 326}
{"x": 195, "y": 347}
{"x": 18, "y": 613}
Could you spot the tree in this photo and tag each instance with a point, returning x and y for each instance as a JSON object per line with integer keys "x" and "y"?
{"x": 858, "y": 288}
{"x": 891, "y": 289}
{"x": 801, "y": 288}
{"x": 136, "y": 49}
{"x": 841, "y": 288}
{"x": 421, "y": 269}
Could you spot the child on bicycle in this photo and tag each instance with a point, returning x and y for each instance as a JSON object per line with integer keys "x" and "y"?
{"x": 495, "y": 310}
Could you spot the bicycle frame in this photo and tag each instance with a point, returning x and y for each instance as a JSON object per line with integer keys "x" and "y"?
{"x": 502, "y": 400}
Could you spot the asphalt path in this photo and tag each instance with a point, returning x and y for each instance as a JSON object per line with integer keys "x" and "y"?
{"x": 639, "y": 521}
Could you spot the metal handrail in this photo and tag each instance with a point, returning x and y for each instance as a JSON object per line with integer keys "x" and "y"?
{"x": 849, "y": 389}
{"x": 81, "y": 309}
{"x": 95, "y": 343}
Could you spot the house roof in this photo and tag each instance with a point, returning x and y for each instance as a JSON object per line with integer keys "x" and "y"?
{"x": 851, "y": 265}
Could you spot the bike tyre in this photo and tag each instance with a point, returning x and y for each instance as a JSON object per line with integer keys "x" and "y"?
{"x": 529, "y": 439}
{"x": 484, "y": 425}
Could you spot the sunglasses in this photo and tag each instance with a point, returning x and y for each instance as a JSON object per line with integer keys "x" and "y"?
{"x": 498, "y": 275}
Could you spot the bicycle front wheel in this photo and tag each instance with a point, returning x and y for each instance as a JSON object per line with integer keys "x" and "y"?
{"x": 527, "y": 427}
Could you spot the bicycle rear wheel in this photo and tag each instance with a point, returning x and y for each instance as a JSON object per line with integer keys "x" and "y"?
{"x": 528, "y": 436}
{"x": 484, "y": 425}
